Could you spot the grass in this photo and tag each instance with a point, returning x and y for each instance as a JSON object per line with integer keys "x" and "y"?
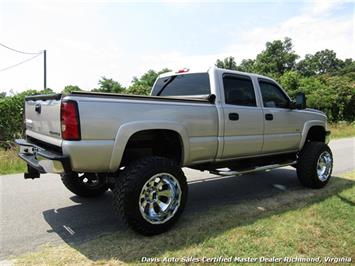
{"x": 300, "y": 223}
{"x": 342, "y": 130}
{"x": 10, "y": 162}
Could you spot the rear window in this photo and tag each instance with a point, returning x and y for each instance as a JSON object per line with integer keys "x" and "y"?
{"x": 187, "y": 84}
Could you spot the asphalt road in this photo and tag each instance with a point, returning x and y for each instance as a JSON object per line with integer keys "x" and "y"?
{"x": 34, "y": 212}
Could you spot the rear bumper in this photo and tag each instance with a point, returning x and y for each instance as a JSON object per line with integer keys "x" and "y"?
{"x": 42, "y": 160}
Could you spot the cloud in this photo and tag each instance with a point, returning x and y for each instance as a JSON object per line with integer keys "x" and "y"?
{"x": 318, "y": 7}
{"x": 315, "y": 29}
{"x": 176, "y": 60}
{"x": 309, "y": 33}
{"x": 83, "y": 45}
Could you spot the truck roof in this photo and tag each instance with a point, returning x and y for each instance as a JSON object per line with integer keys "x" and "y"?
{"x": 205, "y": 70}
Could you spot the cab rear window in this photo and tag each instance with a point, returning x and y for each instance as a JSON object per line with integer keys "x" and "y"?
{"x": 187, "y": 84}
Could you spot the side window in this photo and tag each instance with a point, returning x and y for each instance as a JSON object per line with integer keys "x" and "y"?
{"x": 273, "y": 96}
{"x": 239, "y": 90}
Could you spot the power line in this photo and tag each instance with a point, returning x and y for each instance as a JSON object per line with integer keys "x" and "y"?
{"x": 18, "y": 51}
{"x": 20, "y": 63}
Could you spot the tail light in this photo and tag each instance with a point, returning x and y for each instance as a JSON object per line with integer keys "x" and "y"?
{"x": 69, "y": 118}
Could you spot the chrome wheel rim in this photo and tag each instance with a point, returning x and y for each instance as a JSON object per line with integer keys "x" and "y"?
{"x": 324, "y": 166}
{"x": 160, "y": 198}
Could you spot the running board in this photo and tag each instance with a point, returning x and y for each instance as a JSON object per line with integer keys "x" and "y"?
{"x": 256, "y": 169}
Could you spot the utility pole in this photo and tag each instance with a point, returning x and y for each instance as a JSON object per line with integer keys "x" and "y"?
{"x": 45, "y": 68}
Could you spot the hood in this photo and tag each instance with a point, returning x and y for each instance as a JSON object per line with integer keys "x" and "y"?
{"x": 315, "y": 111}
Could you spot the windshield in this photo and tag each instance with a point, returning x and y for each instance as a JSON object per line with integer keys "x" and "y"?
{"x": 187, "y": 84}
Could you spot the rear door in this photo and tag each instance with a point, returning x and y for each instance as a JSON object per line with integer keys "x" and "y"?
{"x": 283, "y": 125}
{"x": 243, "y": 118}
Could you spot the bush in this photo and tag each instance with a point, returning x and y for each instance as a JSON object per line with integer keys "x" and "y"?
{"x": 334, "y": 95}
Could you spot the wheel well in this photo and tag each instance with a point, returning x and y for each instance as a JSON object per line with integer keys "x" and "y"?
{"x": 316, "y": 133}
{"x": 159, "y": 142}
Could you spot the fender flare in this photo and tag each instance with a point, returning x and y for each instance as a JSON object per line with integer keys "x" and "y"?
{"x": 127, "y": 130}
{"x": 306, "y": 127}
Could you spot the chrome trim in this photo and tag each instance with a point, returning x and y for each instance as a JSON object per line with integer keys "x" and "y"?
{"x": 255, "y": 156}
{"x": 256, "y": 169}
{"x": 50, "y": 166}
{"x": 44, "y": 161}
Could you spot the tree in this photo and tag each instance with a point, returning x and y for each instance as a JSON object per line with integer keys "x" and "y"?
{"x": 333, "y": 95}
{"x": 322, "y": 62}
{"x": 247, "y": 65}
{"x": 148, "y": 78}
{"x": 70, "y": 88}
{"x": 347, "y": 69}
{"x": 290, "y": 81}
{"x": 109, "y": 85}
{"x": 143, "y": 84}
{"x": 139, "y": 89}
{"x": 2, "y": 94}
{"x": 307, "y": 66}
{"x": 277, "y": 58}
{"x": 342, "y": 95}
{"x": 227, "y": 63}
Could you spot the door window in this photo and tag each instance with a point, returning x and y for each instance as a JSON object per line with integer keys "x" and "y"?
{"x": 239, "y": 90}
{"x": 272, "y": 95}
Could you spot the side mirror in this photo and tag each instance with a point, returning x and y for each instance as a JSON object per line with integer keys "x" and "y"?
{"x": 292, "y": 104}
{"x": 211, "y": 98}
{"x": 301, "y": 100}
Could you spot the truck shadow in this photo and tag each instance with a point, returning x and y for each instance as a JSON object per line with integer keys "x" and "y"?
{"x": 92, "y": 228}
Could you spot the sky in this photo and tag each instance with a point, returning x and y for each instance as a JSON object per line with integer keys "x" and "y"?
{"x": 86, "y": 40}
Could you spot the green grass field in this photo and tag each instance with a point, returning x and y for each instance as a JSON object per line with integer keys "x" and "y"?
{"x": 342, "y": 130}
{"x": 300, "y": 223}
{"x": 10, "y": 162}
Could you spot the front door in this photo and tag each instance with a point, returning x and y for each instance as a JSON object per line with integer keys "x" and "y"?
{"x": 282, "y": 127}
{"x": 243, "y": 118}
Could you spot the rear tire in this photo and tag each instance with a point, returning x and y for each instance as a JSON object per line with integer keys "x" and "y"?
{"x": 85, "y": 185}
{"x": 150, "y": 194}
{"x": 315, "y": 165}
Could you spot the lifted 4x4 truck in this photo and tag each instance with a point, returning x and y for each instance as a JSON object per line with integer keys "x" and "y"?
{"x": 222, "y": 121}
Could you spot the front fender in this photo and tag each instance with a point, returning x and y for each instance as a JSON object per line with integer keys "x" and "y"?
{"x": 127, "y": 130}
{"x": 307, "y": 125}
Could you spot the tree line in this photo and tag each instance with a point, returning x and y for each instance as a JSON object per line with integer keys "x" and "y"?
{"x": 327, "y": 81}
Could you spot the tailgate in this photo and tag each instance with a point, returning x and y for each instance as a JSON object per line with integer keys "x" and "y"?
{"x": 42, "y": 116}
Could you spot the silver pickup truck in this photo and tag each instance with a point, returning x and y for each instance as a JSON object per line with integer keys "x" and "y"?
{"x": 222, "y": 121}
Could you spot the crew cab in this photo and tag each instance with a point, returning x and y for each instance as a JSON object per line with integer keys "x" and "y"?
{"x": 223, "y": 121}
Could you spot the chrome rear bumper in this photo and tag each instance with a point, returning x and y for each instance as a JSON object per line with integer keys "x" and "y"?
{"x": 42, "y": 160}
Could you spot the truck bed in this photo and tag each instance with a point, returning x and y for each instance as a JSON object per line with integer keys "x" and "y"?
{"x": 195, "y": 99}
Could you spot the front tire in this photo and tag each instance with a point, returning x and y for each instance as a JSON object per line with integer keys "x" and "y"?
{"x": 150, "y": 194}
{"x": 315, "y": 165}
{"x": 85, "y": 185}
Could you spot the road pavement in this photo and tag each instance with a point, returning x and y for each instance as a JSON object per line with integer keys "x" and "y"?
{"x": 34, "y": 212}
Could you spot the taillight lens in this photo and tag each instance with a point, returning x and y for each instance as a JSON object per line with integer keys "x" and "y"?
{"x": 69, "y": 117}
